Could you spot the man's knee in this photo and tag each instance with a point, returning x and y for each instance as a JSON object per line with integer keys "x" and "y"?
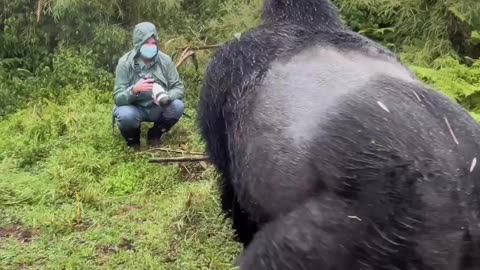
{"x": 174, "y": 110}
{"x": 128, "y": 117}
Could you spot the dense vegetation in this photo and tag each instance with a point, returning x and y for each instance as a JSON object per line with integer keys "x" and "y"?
{"x": 72, "y": 196}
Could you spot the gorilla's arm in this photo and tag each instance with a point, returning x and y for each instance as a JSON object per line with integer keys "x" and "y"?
{"x": 229, "y": 80}
{"x": 217, "y": 81}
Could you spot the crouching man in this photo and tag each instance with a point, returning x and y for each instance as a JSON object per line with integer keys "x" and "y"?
{"x": 147, "y": 88}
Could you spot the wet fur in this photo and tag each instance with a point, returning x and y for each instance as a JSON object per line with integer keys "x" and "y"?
{"x": 333, "y": 155}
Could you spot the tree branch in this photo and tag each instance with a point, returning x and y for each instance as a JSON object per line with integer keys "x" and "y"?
{"x": 39, "y": 9}
{"x": 185, "y": 55}
{"x": 178, "y": 159}
{"x": 199, "y": 48}
{"x": 173, "y": 151}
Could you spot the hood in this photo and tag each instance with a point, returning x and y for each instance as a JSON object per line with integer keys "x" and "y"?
{"x": 141, "y": 33}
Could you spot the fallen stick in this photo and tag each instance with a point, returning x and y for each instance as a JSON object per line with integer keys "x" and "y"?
{"x": 183, "y": 164}
{"x": 174, "y": 151}
{"x": 178, "y": 159}
{"x": 199, "y": 48}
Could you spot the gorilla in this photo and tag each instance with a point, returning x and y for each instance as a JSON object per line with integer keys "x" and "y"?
{"x": 333, "y": 154}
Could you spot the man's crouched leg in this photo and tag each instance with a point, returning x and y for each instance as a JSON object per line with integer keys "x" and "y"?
{"x": 164, "y": 119}
{"x": 128, "y": 117}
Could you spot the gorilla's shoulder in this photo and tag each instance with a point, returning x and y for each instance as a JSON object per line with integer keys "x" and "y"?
{"x": 248, "y": 58}
{"x": 252, "y": 53}
{"x": 261, "y": 42}
{"x": 266, "y": 42}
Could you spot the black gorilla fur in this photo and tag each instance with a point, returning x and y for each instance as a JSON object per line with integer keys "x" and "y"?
{"x": 333, "y": 154}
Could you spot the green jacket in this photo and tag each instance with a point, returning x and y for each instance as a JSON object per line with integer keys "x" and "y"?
{"x": 130, "y": 69}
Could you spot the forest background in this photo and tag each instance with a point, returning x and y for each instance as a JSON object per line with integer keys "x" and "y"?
{"x": 73, "y": 197}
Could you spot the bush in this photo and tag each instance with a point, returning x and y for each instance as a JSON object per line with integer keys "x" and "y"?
{"x": 457, "y": 81}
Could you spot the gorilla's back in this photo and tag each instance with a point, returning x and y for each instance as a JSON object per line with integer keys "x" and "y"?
{"x": 303, "y": 88}
{"x": 318, "y": 112}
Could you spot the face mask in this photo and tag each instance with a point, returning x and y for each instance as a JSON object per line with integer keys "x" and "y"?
{"x": 149, "y": 50}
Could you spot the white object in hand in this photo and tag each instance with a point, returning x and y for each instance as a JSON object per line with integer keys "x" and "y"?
{"x": 158, "y": 92}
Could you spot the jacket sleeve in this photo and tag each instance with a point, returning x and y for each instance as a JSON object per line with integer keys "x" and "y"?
{"x": 123, "y": 92}
{"x": 177, "y": 88}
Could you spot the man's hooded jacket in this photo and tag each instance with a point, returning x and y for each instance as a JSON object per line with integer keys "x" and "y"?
{"x": 129, "y": 71}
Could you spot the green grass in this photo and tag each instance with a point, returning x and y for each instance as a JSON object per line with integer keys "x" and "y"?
{"x": 176, "y": 230}
{"x": 129, "y": 214}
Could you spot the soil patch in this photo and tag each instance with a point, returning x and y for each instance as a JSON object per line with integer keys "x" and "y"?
{"x": 125, "y": 244}
{"x": 24, "y": 236}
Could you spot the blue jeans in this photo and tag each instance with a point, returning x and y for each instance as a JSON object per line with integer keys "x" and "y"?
{"x": 131, "y": 116}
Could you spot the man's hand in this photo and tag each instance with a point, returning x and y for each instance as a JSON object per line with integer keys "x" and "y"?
{"x": 143, "y": 85}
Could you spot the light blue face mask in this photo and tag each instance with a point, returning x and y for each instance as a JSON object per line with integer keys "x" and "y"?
{"x": 149, "y": 50}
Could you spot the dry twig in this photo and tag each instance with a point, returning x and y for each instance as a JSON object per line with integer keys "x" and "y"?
{"x": 183, "y": 165}
{"x": 199, "y": 48}
{"x": 190, "y": 52}
{"x": 79, "y": 208}
{"x": 178, "y": 159}
{"x": 39, "y": 9}
{"x": 174, "y": 151}
{"x": 185, "y": 55}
